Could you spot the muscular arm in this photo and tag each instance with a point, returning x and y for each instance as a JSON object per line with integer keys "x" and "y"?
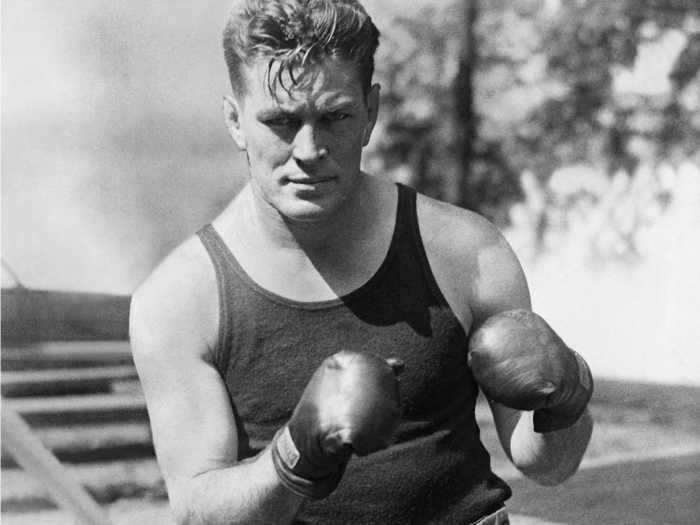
{"x": 547, "y": 458}
{"x": 191, "y": 417}
{"x": 480, "y": 276}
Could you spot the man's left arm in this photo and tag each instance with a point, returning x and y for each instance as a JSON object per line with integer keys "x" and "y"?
{"x": 537, "y": 387}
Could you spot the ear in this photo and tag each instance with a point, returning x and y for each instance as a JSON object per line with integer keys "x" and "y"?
{"x": 232, "y": 117}
{"x": 372, "y": 112}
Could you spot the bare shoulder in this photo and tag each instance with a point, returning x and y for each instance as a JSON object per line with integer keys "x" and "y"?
{"x": 473, "y": 264}
{"x": 176, "y": 307}
{"x": 173, "y": 326}
{"x": 455, "y": 227}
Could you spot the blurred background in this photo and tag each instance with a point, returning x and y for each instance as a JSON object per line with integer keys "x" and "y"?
{"x": 574, "y": 126}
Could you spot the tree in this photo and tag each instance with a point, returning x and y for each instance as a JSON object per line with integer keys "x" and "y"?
{"x": 477, "y": 93}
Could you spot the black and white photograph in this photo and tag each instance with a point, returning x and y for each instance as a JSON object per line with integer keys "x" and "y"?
{"x": 354, "y": 262}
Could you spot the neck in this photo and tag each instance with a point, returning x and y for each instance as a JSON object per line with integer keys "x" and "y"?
{"x": 268, "y": 225}
{"x": 312, "y": 260}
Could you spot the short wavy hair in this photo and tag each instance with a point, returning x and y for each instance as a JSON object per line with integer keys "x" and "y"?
{"x": 290, "y": 33}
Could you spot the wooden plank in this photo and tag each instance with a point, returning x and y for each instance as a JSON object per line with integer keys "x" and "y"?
{"x": 64, "y": 381}
{"x": 105, "y": 481}
{"x": 65, "y": 410}
{"x": 66, "y": 355}
{"x": 62, "y": 485}
{"x": 103, "y": 442}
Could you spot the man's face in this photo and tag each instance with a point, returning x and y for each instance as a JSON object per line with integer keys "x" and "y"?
{"x": 304, "y": 147}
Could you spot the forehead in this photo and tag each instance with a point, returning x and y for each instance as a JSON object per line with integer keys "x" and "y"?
{"x": 318, "y": 84}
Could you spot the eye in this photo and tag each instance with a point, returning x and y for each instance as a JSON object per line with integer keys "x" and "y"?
{"x": 281, "y": 122}
{"x": 335, "y": 116}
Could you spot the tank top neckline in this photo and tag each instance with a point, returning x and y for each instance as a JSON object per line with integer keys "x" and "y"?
{"x": 354, "y": 295}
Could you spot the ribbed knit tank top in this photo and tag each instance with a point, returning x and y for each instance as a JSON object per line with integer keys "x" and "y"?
{"x": 269, "y": 346}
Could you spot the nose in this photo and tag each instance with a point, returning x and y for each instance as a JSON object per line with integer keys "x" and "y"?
{"x": 307, "y": 146}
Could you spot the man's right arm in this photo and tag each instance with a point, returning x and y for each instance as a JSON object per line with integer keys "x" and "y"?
{"x": 192, "y": 422}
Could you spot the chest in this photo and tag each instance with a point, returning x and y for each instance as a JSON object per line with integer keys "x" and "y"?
{"x": 274, "y": 353}
{"x": 314, "y": 266}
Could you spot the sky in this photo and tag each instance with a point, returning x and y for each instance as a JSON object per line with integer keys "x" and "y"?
{"x": 114, "y": 148}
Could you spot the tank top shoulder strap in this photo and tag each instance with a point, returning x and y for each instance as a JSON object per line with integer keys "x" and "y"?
{"x": 226, "y": 276}
{"x": 411, "y": 242}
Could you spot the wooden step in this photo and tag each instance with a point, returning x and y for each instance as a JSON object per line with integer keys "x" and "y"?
{"x": 94, "y": 442}
{"x": 81, "y": 354}
{"x": 64, "y": 381}
{"x": 67, "y": 410}
{"x": 126, "y": 511}
{"x": 106, "y": 481}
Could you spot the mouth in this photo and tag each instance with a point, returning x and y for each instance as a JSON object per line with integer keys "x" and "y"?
{"x": 305, "y": 180}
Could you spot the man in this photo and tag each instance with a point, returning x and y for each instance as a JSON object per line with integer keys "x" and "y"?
{"x": 268, "y": 345}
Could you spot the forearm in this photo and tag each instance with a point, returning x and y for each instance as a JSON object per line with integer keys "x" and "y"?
{"x": 247, "y": 493}
{"x": 552, "y": 457}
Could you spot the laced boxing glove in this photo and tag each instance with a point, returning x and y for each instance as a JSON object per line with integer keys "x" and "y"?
{"x": 350, "y": 405}
{"x": 520, "y": 362}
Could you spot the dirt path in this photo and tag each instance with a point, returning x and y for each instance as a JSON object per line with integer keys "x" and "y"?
{"x": 653, "y": 492}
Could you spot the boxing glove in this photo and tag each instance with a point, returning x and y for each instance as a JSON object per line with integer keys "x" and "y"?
{"x": 350, "y": 405}
{"x": 520, "y": 362}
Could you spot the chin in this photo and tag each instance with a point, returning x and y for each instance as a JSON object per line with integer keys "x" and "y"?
{"x": 310, "y": 205}
{"x": 310, "y": 210}
{"x": 306, "y": 212}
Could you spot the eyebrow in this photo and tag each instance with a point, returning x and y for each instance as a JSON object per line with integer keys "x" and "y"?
{"x": 340, "y": 105}
{"x": 270, "y": 113}
{"x": 336, "y": 103}
{"x": 292, "y": 111}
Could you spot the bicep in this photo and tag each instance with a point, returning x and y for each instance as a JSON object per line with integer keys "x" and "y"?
{"x": 191, "y": 417}
{"x": 499, "y": 282}
{"x": 193, "y": 427}
{"x": 475, "y": 268}
{"x": 499, "y": 285}
{"x": 479, "y": 275}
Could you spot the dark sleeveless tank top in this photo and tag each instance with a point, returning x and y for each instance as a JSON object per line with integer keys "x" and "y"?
{"x": 269, "y": 346}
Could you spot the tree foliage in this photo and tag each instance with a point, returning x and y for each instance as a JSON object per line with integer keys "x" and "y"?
{"x": 471, "y": 102}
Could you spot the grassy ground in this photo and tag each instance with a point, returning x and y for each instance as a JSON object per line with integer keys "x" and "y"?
{"x": 632, "y": 420}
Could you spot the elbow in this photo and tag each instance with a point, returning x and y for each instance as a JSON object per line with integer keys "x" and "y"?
{"x": 182, "y": 512}
{"x": 559, "y": 459}
{"x": 550, "y": 477}
{"x": 181, "y": 517}
{"x": 549, "y": 471}
{"x": 182, "y": 506}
